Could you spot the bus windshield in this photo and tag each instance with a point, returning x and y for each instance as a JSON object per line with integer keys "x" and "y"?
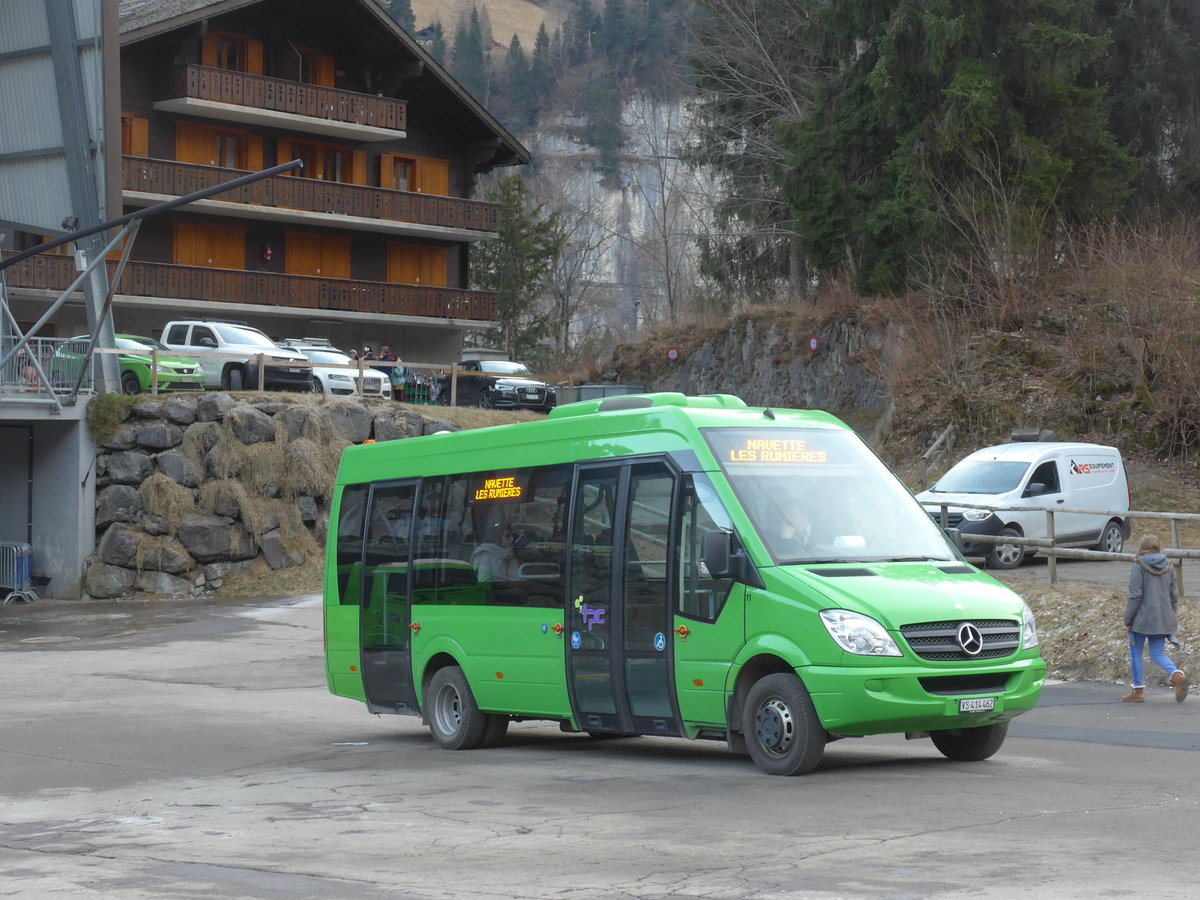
{"x": 820, "y": 495}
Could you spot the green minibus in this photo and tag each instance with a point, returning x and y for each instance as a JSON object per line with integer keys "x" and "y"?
{"x": 658, "y": 564}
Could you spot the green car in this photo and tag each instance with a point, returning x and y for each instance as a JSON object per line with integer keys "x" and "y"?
{"x": 175, "y": 373}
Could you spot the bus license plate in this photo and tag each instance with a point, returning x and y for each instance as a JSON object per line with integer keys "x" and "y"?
{"x": 977, "y": 704}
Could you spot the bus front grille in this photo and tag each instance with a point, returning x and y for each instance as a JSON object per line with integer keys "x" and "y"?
{"x": 941, "y": 641}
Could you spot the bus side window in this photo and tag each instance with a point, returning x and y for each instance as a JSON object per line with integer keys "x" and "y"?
{"x": 700, "y": 595}
{"x": 351, "y": 516}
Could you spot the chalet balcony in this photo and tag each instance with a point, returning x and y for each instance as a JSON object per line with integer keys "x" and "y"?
{"x": 309, "y": 108}
{"x": 53, "y": 272}
{"x": 294, "y": 199}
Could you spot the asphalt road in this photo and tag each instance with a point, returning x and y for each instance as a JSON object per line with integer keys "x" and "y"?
{"x": 191, "y": 751}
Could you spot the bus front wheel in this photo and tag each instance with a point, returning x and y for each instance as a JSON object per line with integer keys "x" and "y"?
{"x": 454, "y": 718}
{"x": 970, "y": 744}
{"x": 781, "y": 727}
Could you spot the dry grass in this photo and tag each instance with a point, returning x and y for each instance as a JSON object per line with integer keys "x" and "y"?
{"x": 163, "y": 497}
{"x": 508, "y": 17}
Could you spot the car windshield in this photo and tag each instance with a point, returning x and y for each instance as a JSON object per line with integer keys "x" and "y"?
{"x": 981, "y": 476}
{"x": 138, "y": 343}
{"x": 232, "y": 334}
{"x": 503, "y": 367}
{"x": 326, "y": 357}
{"x": 820, "y": 495}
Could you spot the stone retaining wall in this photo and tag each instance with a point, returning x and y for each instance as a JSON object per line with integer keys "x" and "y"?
{"x": 192, "y": 489}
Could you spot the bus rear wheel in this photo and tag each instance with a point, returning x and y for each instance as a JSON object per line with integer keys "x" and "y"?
{"x": 970, "y": 744}
{"x": 454, "y": 717}
{"x": 782, "y": 731}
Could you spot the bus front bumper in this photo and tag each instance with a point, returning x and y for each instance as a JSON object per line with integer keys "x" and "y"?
{"x": 892, "y": 700}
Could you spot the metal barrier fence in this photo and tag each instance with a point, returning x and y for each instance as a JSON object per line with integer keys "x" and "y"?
{"x": 60, "y": 361}
{"x": 1049, "y": 548}
{"x": 16, "y": 571}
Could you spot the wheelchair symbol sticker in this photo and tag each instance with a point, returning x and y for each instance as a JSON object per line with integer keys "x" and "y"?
{"x": 575, "y": 640}
{"x": 660, "y": 642}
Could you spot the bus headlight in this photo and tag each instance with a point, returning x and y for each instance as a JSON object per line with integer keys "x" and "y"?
{"x": 1029, "y": 635}
{"x": 858, "y": 634}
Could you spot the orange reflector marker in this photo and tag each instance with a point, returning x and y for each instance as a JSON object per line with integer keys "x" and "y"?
{"x": 698, "y": 682}
{"x": 369, "y": 441}
{"x": 499, "y": 674}
{"x": 354, "y": 668}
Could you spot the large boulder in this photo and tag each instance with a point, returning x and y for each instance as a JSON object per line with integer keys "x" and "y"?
{"x": 146, "y": 409}
{"x": 275, "y": 555}
{"x": 308, "y": 509}
{"x": 433, "y": 426}
{"x": 162, "y": 584}
{"x": 180, "y": 411}
{"x": 179, "y": 468}
{"x": 123, "y": 437}
{"x": 159, "y": 436}
{"x": 215, "y": 539}
{"x": 397, "y": 424}
{"x": 294, "y": 421}
{"x": 124, "y": 467}
{"x": 250, "y": 425}
{"x": 213, "y": 407}
{"x": 351, "y": 421}
{"x": 117, "y": 503}
{"x": 104, "y": 581}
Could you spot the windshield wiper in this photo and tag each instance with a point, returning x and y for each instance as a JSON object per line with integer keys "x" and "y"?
{"x": 917, "y": 559}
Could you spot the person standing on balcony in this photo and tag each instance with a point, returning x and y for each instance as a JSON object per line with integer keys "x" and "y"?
{"x": 1150, "y": 617}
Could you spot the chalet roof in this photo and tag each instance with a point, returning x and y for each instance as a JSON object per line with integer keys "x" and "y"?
{"x": 374, "y": 29}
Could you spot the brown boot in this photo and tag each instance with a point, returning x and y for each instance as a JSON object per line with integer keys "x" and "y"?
{"x": 1134, "y": 696}
{"x": 1180, "y": 682}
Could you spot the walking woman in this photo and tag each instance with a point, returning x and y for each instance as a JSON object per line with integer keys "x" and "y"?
{"x": 1150, "y": 617}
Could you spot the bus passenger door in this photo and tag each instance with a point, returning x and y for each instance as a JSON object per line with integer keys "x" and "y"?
{"x": 619, "y": 611}
{"x": 386, "y": 606}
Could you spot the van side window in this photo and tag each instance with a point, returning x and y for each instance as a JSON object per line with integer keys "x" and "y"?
{"x": 700, "y": 595}
{"x": 1047, "y": 474}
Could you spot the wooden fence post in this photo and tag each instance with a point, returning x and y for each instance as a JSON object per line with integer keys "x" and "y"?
{"x": 1175, "y": 539}
{"x": 1051, "y": 559}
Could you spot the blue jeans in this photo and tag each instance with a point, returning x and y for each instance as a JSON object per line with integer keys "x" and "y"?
{"x": 1136, "y": 640}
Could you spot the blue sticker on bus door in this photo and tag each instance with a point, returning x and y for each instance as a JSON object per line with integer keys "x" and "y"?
{"x": 660, "y": 642}
{"x": 575, "y": 640}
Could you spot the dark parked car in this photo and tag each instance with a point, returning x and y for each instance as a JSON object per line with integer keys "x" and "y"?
{"x": 498, "y": 384}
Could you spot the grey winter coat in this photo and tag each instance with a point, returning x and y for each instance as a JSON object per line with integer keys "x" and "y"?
{"x": 1152, "y": 596}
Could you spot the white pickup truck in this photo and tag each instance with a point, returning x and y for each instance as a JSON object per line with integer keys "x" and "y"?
{"x": 229, "y": 353}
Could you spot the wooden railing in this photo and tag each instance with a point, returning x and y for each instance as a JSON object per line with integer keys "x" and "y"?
{"x": 146, "y": 279}
{"x": 163, "y": 176}
{"x": 280, "y": 95}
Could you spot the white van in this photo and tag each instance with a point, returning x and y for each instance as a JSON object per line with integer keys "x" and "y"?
{"x": 1035, "y": 474}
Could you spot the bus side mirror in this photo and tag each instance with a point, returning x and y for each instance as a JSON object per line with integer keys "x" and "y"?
{"x": 714, "y": 553}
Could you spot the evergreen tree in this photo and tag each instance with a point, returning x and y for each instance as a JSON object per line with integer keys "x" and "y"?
{"x": 520, "y": 92}
{"x": 515, "y": 266}
{"x": 582, "y": 29}
{"x": 938, "y": 101}
{"x": 602, "y": 101}
{"x": 615, "y": 38}
{"x": 402, "y": 12}
{"x": 466, "y": 57}
{"x": 437, "y": 46}
{"x": 541, "y": 73}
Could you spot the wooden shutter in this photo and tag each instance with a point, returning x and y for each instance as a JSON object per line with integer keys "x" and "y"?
{"x": 437, "y": 266}
{"x": 228, "y": 247}
{"x": 193, "y": 143}
{"x": 135, "y": 135}
{"x": 325, "y": 70}
{"x": 358, "y": 167}
{"x": 283, "y": 152}
{"x": 335, "y": 256}
{"x": 254, "y": 56}
{"x": 302, "y": 253}
{"x": 433, "y": 176}
{"x": 188, "y": 244}
{"x": 254, "y": 152}
{"x": 403, "y": 264}
{"x": 208, "y": 50}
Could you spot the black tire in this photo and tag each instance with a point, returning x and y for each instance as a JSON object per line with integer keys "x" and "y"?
{"x": 782, "y": 731}
{"x": 130, "y": 383}
{"x": 485, "y": 400}
{"x": 454, "y": 717}
{"x": 235, "y": 379}
{"x": 1006, "y": 556}
{"x": 1112, "y": 538}
{"x": 495, "y": 727}
{"x": 314, "y": 386}
{"x": 970, "y": 744}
